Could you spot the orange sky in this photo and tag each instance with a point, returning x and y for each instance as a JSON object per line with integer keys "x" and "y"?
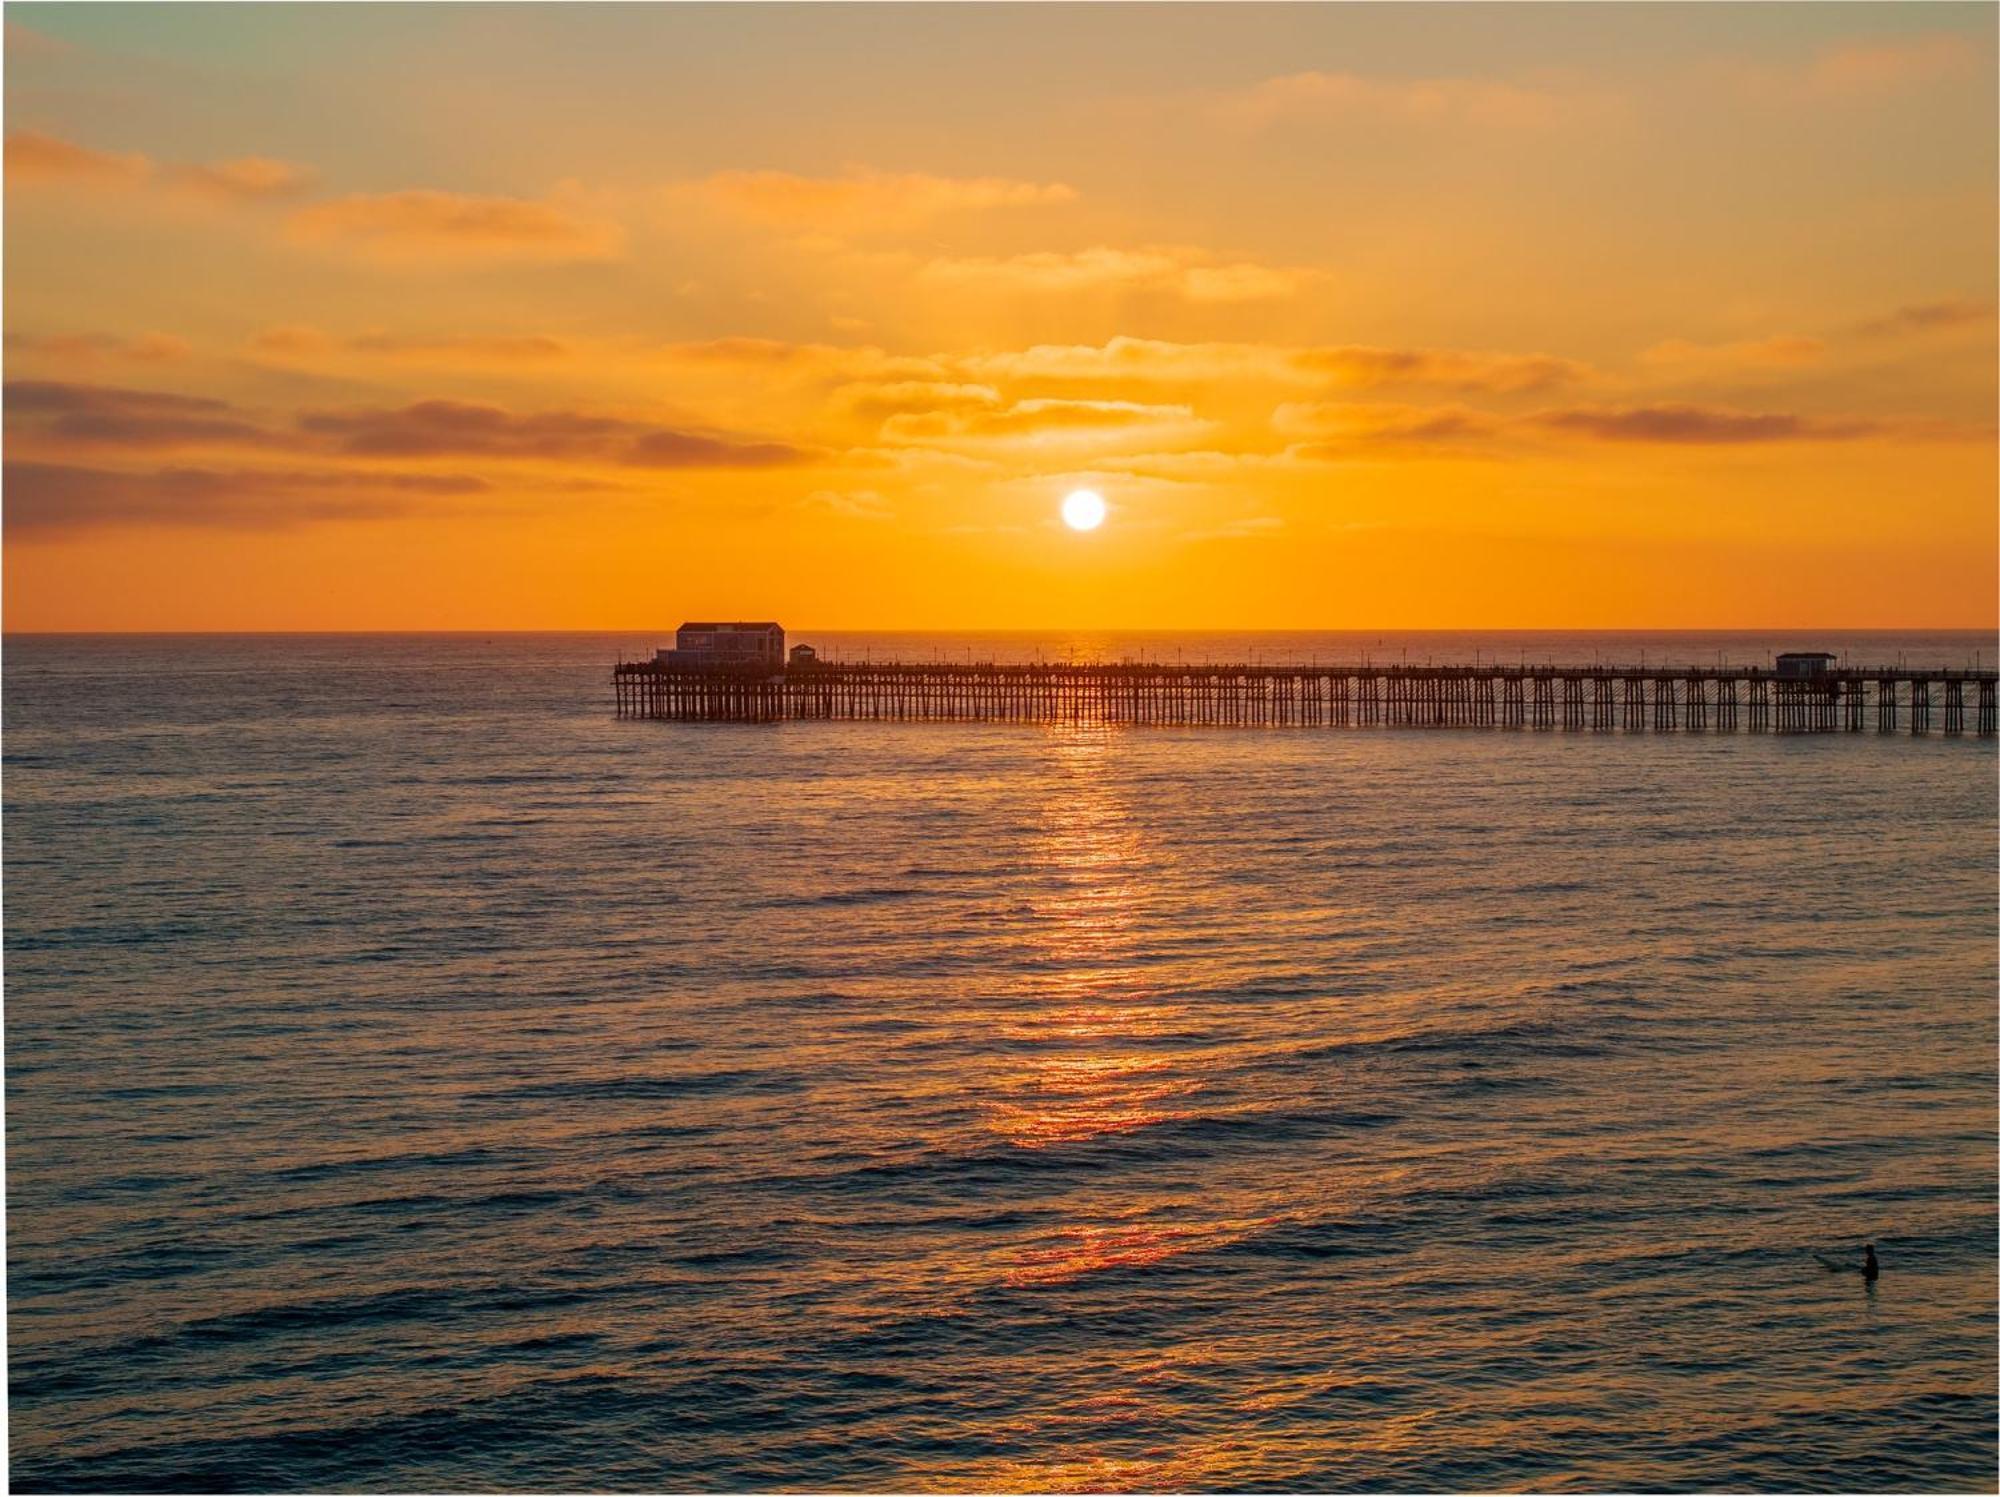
{"x": 1358, "y": 316}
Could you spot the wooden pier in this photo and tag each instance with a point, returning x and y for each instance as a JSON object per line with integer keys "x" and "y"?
{"x": 1597, "y": 699}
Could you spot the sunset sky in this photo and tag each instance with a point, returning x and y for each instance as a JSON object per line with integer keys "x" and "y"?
{"x": 383, "y": 317}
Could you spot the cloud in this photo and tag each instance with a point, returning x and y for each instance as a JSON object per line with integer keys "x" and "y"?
{"x": 1125, "y": 359}
{"x": 145, "y": 348}
{"x": 854, "y": 504}
{"x": 432, "y": 428}
{"x": 681, "y": 449}
{"x": 1369, "y": 423}
{"x": 1173, "y": 269}
{"x": 876, "y": 402}
{"x": 1857, "y": 71}
{"x": 1241, "y": 282}
{"x": 1358, "y": 367}
{"x": 36, "y": 159}
{"x": 523, "y": 348}
{"x": 1349, "y": 366}
{"x": 855, "y": 372}
{"x": 292, "y": 339}
{"x": 1928, "y": 317}
{"x": 1870, "y": 68}
{"x": 1037, "y": 418}
{"x": 105, "y": 415}
{"x": 1342, "y": 430}
{"x": 1700, "y": 425}
{"x": 1051, "y": 271}
{"x": 425, "y": 225}
{"x": 22, "y": 42}
{"x": 471, "y": 348}
{"x": 1196, "y": 466}
{"x": 756, "y": 351}
{"x": 1317, "y": 96}
{"x": 101, "y": 415}
{"x": 1781, "y": 351}
{"x": 869, "y": 200}
{"x": 770, "y": 357}
{"x": 246, "y": 179}
{"x": 765, "y": 360}
{"x": 51, "y": 498}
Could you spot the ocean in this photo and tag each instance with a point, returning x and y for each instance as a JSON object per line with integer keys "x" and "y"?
{"x": 418, "y": 1079}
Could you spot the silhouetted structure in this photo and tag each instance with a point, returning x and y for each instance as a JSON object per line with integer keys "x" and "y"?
{"x": 731, "y": 646}
{"x": 1577, "y": 698}
{"x": 1799, "y": 664}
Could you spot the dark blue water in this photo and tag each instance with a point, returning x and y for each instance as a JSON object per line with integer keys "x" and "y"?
{"x": 418, "y": 1079}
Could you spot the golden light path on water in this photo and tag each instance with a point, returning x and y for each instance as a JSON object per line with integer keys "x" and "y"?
{"x": 1090, "y": 1062}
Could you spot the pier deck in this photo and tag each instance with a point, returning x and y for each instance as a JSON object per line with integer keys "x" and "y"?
{"x": 1599, "y": 699}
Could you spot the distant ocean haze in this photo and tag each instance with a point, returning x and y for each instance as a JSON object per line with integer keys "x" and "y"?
{"x": 419, "y": 1079}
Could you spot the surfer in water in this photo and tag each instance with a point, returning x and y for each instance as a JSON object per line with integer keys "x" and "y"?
{"x": 1869, "y": 1270}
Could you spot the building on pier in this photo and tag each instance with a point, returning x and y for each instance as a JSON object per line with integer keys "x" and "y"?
{"x": 804, "y": 655}
{"x": 1800, "y": 665}
{"x": 725, "y": 647}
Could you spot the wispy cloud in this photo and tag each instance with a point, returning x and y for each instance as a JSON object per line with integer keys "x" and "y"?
{"x": 110, "y": 416}
{"x": 113, "y": 417}
{"x": 1780, "y": 351}
{"x": 1357, "y": 367}
{"x": 52, "y": 498}
{"x": 1129, "y": 359}
{"x": 792, "y": 363}
{"x": 1318, "y": 96}
{"x": 1869, "y": 67}
{"x": 1039, "y": 419}
{"x": 246, "y": 179}
{"x": 1370, "y": 423}
{"x": 35, "y": 159}
{"x": 24, "y": 42}
{"x": 1346, "y": 429}
{"x": 877, "y": 402}
{"x": 420, "y": 225}
{"x": 432, "y": 428}
{"x": 1701, "y": 425}
{"x": 867, "y": 201}
{"x": 1178, "y": 270}
{"x": 1929, "y": 317}
{"x": 88, "y": 348}
{"x": 480, "y": 349}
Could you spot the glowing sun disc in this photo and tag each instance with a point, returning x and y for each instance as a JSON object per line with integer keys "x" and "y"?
{"x": 1083, "y": 510}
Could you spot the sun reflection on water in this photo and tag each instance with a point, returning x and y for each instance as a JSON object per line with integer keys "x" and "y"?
{"x": 1083, "y": 1053}
{"x": 1129, "y": 1242}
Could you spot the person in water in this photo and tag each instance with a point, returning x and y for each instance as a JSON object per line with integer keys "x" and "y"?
{"x": 1870, "y": 1269}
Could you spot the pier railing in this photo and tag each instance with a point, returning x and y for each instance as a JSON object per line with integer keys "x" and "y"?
{"x": 1595, "y": 698}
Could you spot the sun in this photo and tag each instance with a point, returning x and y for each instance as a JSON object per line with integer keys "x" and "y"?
{"x": 1083, "y": 510}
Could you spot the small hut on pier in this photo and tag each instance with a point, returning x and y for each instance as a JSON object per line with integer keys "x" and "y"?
{"x": 738, "y": 646}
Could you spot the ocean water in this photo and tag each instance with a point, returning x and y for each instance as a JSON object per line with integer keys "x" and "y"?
{"x": 418, "y": 1079}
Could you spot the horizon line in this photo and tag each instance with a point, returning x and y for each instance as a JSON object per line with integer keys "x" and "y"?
{"x": 1991, "y": 628}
